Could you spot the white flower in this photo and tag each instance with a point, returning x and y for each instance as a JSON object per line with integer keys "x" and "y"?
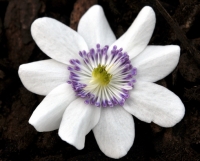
{"x": 84, "y": 73}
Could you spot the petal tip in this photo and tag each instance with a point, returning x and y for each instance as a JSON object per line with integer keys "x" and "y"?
{"x": 37, "y": 25}
{"x": 40, "y": 20}
{"x": 148, "y": 11}
{"x": 148, "y": 7}
{"x": 70, "y": 140}
{"x": 21, "y": 73}
{"x": 34, "y": 124}
{"x": 20, "y": 70}
{"x": 179, "y": 116}
{"x": 177, "y": 48}
{"x": 96, "y": 7}
{"x": 117, "y": 155}
{"x": 95, "y": 10}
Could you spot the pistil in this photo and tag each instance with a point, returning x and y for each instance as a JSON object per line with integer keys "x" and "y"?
{"x": 101, "y": 76}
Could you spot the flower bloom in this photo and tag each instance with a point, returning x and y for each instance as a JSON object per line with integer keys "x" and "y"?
{"x": 95, "y": 82}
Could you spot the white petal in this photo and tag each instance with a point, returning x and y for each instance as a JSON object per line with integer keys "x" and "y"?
{"x": 47, "y": 116}
{"x": 150, "y": 102}
{"x": 115, "y": 132}
{"x": 94, "y": 28}
{"x": 136, "y": 38}
{"x": 42, "y": 76}
{"x": 77, "y": 122}
{"x": 57, "y": 40}
{"x": 156, "y": 62}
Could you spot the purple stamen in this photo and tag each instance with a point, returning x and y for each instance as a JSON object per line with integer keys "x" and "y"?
{"x": 86, "y": 60}
{"x": 69, "y": 68}
{"x": 124, "y": 70}
{"x": 104, "y": 104}
{"x": 121, "y": 102}
{"x": 87, "y": 101}
{"x": 128, "y": 77}
{"x": 69, "y": 82}
{"x": 92, "y": 101}
{"x": 77, "y": 68}
{"x": 97, "y": 104}
{"x": 130, "y": 84}
{"x": 92, "y": 51}
{"x": 72, "y": 61}
{"x": 77, "y": 61}
{"x": 106, "y": 47}
{"x": 89, "y": 95}
{"x": 110, "y": 103}
{"x": 134, "y": 71}
{"x": 80, "y": 53}
{"x": 84, "y": 53}
{"x": 114, "y": 101}
{"x": 114, "y": 47}
{"x": 73, "y": 74}
{"x": 120, "y": 49}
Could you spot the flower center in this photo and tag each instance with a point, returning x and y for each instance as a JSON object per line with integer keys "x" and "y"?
{"x": 100, "y": 75}
{"x": 103, "y": 79}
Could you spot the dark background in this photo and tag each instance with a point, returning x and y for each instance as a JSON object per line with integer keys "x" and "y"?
{"x": 178, "y": 22}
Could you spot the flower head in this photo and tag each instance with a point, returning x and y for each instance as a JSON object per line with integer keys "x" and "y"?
{"x": 95, "y": 82}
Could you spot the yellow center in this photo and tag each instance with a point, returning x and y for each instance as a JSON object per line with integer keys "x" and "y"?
{"x": 101, "y": 76}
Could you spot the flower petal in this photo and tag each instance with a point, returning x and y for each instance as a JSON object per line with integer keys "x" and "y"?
{"x": 42, "y": 76}
{"x": 56, "y": 39}
{"x": 47, "y": 116}
{"x": 94, "y": 28}
{"x": 150, "y": 102}
{"x": 77, "y": 122}
{"x": 115, "y": 132}
{"x": 156, "y": 62}
{"x": 136, "y": 38}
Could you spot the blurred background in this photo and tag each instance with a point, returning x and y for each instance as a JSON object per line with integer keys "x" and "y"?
{"x": 178, "y": 22}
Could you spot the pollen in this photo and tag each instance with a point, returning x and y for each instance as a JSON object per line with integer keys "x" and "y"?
{"x": 101, "y": 76}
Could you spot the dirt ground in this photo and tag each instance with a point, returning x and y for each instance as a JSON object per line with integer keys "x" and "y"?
{"x": 178, "y": 22}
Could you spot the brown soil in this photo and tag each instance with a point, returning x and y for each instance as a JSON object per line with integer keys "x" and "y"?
{"x": 178, "y": 22}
